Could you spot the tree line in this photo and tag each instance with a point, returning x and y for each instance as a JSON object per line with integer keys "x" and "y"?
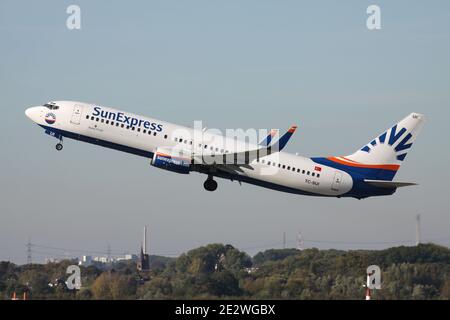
{"x": 219, "y": 271}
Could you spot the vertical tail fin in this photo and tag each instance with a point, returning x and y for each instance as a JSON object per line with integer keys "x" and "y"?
{"x": 389, "y": 149}
{"x": 392, "y": 145}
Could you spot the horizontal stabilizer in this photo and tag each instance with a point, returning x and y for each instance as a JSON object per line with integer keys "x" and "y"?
{"x": 388, "y": 184}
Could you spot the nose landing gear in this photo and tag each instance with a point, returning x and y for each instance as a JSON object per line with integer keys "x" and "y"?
{"x": 57, "y": 135}
{"x": 59, "y": 146}
{"x": 210, "y": 184}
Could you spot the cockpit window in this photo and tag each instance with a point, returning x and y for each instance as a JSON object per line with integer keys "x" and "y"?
{"x": 51, "y": 106}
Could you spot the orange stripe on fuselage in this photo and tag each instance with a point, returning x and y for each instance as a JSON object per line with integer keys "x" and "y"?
{"x": 393, "y": 167}
{"x": 349, "y": 159}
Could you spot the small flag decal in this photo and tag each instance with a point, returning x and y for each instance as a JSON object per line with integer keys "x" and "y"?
{"x": 317, "y": 168}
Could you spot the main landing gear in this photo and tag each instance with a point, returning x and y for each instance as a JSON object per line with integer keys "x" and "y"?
{"x": 210, "y": 184}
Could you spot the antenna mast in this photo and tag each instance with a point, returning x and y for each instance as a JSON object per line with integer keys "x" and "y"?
{"x": 29, "y": 260}
{"x": 300, "y": 241}
{"x": 418, "y": 230}
{"x": 144, "y": 244}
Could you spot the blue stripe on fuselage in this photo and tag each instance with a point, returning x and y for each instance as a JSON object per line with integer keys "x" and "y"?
{"x": 361, "y": 189}
{"x": 366, "y": 173}
{"x": 148, "y": 154}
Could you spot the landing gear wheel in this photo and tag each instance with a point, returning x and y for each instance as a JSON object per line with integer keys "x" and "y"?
{"x": 210, "y": 185}
{"x": 59, "y": 146}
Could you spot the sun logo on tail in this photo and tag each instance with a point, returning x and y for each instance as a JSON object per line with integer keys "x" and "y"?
{"x": 391, "y": 137}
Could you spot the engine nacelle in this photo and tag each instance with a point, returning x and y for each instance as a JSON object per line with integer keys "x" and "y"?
{"x": 173, "y": 160}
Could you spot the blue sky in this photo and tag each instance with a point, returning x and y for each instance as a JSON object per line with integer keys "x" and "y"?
{"x": 232, "y": 64}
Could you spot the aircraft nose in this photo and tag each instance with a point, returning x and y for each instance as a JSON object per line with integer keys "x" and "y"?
{"x": 28, "y": 112}
{"x": 32, "y": 113}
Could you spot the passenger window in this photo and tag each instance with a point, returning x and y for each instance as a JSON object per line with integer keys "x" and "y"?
{"x": 284, "y": 166}
{"x": 145, "y": 131}
{"x": 318, "y": 175}
{"x": 268, "y": 163}
{"x": 97, "y": 119}
{"x": 112, "y": 123}
{"x": 122, "y": 125}
{"x": 87, "y": 117}
{"x": 107, "y": 121}
{"x": 165, "y": 136}
{"x": 303, "y": 171}
{"x": 139, "y": 130}
{"x": 307, "y": 173}
{"x": 92, "y": 118}
{"x": 313, "y": 174}
{"x": 132, "y": 128}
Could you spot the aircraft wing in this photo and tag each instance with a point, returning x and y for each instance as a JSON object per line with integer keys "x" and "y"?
{"x": 246, "y": 157}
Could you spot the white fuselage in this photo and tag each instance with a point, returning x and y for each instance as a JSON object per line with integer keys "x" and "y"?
{"x": 104, "y": 126}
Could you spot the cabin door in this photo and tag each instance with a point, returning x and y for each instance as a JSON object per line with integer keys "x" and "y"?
{"x": 337, "y": 181}
{"x": 76, "y": 114}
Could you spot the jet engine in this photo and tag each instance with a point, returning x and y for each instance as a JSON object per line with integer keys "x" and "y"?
{"x": 172, "y": 160}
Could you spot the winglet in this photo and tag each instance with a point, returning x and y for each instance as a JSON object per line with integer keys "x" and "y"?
{"x": 266, "y": 142}
{"x": 285, "y": 138}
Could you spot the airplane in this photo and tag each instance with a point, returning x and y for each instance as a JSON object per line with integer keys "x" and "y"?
{"x": 368, "y": 172}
